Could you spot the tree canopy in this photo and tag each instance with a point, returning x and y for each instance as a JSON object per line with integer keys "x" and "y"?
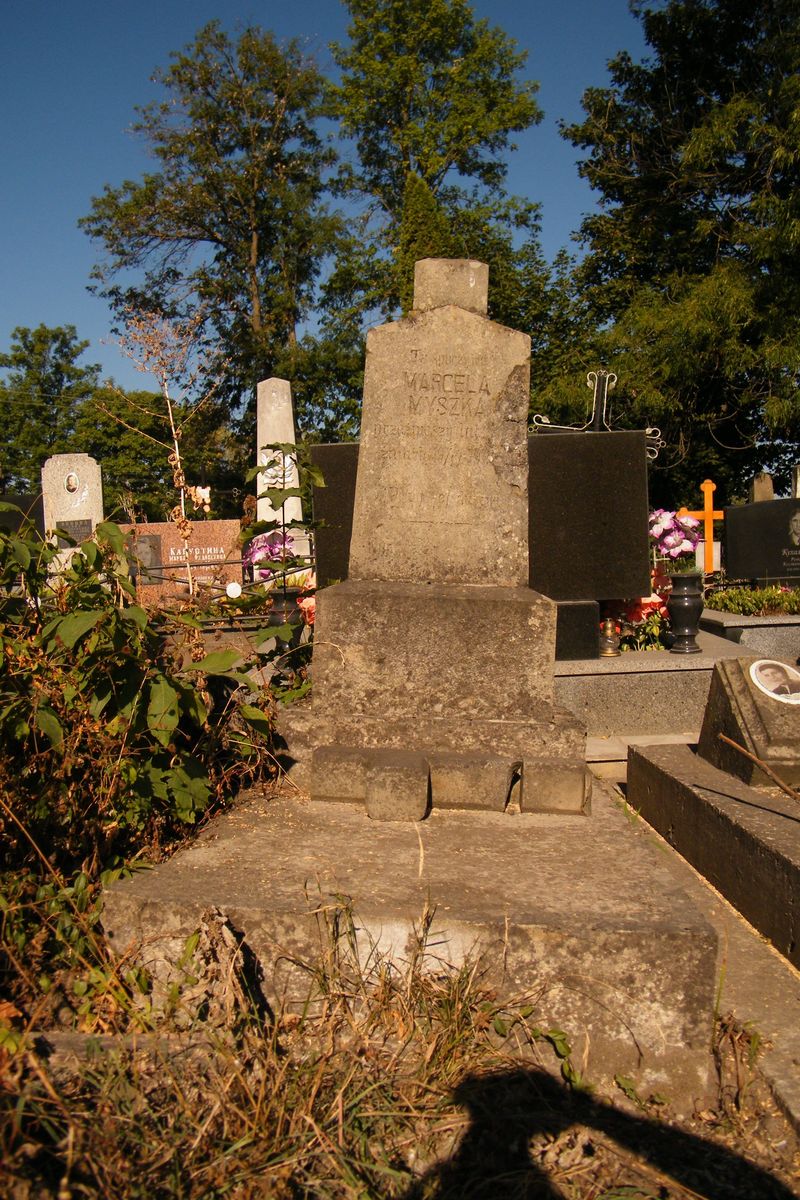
{"x": 431, "y": 98}
{"x": 692, "y": 272}
{"x": 233, "y": 222}
{"x": 41, "y": 393}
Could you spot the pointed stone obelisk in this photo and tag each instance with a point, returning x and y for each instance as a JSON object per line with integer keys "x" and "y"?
{"x": 433, "y": 661}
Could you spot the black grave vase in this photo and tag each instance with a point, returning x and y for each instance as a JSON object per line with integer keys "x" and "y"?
{"x": 684, "y": 605}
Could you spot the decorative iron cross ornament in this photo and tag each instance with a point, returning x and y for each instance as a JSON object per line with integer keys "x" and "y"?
{"x": 601, "y": 383}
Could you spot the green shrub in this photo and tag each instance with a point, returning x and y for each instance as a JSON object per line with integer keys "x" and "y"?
{"x": 756, "y": 602}
{"x": 106, "y": 741}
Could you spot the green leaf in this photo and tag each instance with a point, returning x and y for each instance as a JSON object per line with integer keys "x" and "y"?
{"x": 21, "y": 553}
{"x": 256, "y": 718}
{"x": 558, "y": 1040}
{"x": 185, "y": 619}
{"x": 111, "y": 533}
{"x": 278, "y": 496}
{"x": 71, "y": 628}
{"x": 162, "y": 710}
{"x": 217, "y": 663}
{"x": 283, "y": 633}
{"x": 500, "y": 1027}
{"x": 136, "y": 614}
{"x": 46, "y": 720}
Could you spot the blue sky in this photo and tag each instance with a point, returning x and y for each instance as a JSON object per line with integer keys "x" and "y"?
{"x": 73, "y": 70}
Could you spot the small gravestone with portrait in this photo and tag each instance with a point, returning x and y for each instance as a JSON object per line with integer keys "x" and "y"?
{"x": 756, "y": 704}
{"x": 72, "y": 496}
{"x": 762, "y": 541}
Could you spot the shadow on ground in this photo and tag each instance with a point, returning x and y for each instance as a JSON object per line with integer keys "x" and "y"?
{"x": 493, "y": 1159}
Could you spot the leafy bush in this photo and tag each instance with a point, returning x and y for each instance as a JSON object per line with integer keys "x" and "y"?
{"x": 756, "y": 602}
{"x": 103, "y": 734}
{"x": 115, "y": 736}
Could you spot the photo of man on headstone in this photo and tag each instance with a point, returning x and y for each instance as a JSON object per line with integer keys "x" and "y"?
{"x": 777, "y": 680}
{"x": 794, "y": 528}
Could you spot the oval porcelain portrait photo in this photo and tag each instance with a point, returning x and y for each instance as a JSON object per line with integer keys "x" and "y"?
{"x": 776, "y": 679}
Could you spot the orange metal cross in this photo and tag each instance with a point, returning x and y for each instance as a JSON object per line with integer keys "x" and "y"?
{"x": 708, "y": 515}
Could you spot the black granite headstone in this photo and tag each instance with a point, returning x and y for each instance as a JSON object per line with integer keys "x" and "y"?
{"x": 30, "y": 506}
{"x": 762, "y": 541}
{"x": 333, "y": 509}
{"x": 588, "y": 532}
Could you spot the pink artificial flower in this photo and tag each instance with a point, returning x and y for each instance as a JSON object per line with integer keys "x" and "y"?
{"x": 308, "y": 607}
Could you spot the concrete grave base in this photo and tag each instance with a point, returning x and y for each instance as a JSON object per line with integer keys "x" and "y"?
{"x": 745, "y": 841}
{"x": 579, "y": 918}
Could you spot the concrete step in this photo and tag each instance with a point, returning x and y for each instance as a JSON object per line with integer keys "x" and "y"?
{"x": 744, "y": 840}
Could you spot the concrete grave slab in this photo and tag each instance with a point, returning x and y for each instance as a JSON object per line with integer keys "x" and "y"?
{"x": 744, "y": 841}
{"x": 593, "y": 931}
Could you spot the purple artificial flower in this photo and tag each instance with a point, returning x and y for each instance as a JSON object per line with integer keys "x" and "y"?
{"x": 273, "y": 547}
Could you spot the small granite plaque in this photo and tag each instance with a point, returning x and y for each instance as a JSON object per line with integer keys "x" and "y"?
{"x": 762, "y": 541}
{"x": 79, "y": 531}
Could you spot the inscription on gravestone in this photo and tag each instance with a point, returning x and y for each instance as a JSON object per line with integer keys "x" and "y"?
{"x": 79, "y": 531}
{"x": 762, "y": 541}
{"x": 442, "y": 485}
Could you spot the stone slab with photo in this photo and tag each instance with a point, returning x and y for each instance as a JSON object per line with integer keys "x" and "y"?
{"x": 72, "y": 495}
{"x": 762, "y": 542}
{"x": 755, "y": 703}
{"x": 214, "y": 557}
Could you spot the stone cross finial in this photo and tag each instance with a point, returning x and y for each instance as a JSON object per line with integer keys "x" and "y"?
{"x": 460, "y": 281}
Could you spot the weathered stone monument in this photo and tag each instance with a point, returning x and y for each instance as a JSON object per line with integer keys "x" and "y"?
{"x": 433, "y": 690}
{"x": 433, "y": 661}
{"x": 275, "y": 423}
{"x": 72, "y": 495}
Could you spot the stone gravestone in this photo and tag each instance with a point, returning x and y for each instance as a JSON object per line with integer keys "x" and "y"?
{"x": 755, "y": 703}
{"x": 72, "y": 495}
{"x": 275, "y": 423}
{"x": 761, "y": 488}
{"x": 215, "y": 558}
{"x": 762, "y": 541}
{"x": 433, "y": 661}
